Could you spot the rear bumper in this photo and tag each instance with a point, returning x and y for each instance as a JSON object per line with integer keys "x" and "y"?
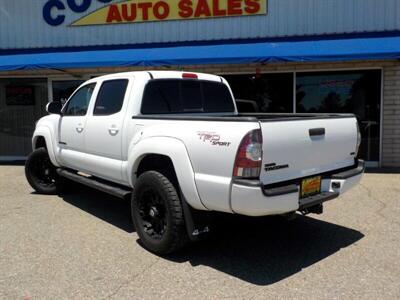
{"x": 251, "y": 198}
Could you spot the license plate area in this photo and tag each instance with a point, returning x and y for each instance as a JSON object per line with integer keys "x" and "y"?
{"x": 310, "y": 187}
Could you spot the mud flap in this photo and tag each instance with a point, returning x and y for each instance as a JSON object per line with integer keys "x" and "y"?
{"x": 197, "y": 222}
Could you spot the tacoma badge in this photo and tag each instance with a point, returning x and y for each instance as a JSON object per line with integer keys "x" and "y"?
{"x": 274, "y": 166}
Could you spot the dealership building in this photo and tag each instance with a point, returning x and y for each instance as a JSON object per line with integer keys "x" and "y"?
{"x": 279, "y": 56}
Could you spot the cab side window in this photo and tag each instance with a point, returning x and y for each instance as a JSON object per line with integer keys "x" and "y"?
{"x": 79, "y": 102}
{"x": 111, "y": 97}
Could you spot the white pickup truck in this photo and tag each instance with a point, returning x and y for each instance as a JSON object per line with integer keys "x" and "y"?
{"x": 174, "y": 143}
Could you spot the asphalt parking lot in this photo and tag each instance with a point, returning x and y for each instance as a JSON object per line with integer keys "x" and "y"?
{"x": 83, "y": 245}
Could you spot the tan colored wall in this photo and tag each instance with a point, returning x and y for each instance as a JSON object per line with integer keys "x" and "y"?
{"x": 391, "y": 117}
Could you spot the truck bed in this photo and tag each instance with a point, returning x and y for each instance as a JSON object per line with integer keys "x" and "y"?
{"x": 243, "y": 117}
{"x": 294, "y": 145}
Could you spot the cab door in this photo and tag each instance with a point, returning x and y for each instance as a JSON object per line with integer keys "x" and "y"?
{"x": 103, "y": 137}
{"x": 72, "y": 128}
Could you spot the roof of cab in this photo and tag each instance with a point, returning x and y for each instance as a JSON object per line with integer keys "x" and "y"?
{"x": 157, "y": 75}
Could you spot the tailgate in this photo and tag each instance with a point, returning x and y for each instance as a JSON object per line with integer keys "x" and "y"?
{"x": 300, "y": 148}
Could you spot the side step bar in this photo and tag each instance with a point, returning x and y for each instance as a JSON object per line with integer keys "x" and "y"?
{"x": 97, "y": 183}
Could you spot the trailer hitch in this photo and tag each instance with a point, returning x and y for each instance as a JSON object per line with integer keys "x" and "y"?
{"x": 315, "y": 209}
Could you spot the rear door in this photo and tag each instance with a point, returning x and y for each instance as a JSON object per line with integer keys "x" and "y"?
{"x": 72, "y": 127}
{"x": 303, "y": 147}
{"x": 103, "y": 138}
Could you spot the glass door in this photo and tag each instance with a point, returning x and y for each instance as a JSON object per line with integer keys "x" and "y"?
{"x": 357, "y": 92}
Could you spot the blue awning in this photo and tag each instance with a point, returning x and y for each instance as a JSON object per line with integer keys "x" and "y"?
{"x": 323, "y": 50}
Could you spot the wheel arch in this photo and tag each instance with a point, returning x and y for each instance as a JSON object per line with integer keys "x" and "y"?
{"x": 39, "y": 142}
{"x": 159, "y": 162}
{"x": 171, "y": 159}
{"x": 43, "y": 138}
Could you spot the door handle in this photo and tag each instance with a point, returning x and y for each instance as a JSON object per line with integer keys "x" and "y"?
{"x": 113, "y": 130}
{"x": 317, "y": 131}
{"x": 79, "y": 128}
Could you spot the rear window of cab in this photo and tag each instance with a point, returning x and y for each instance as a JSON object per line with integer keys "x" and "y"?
{"x": 168, "y": 96}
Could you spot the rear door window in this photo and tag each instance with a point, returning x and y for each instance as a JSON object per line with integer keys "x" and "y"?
{"x": 163, "y": 96}
{"x": 110, "y": 97}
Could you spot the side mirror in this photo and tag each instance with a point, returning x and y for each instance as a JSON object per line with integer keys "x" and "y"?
{"x": 54, "y": 108}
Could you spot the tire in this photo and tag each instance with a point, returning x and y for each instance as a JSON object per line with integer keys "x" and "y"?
{"x": 157, "y": 214}
{"x": 41, "y": 173}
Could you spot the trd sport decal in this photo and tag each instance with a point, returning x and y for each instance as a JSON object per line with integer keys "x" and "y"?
{"x": 213, "y": 138}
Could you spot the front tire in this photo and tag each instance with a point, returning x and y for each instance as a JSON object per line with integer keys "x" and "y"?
{"x": 41, "y": 173}
{"x": 157, "y": 214}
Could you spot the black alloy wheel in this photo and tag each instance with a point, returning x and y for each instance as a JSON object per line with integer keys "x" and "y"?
{"x": 153, "y": 213}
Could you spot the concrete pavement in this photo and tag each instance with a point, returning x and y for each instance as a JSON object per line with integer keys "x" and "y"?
{"x": 83, "y": 246}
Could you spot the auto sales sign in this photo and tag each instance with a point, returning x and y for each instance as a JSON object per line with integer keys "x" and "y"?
{"x": 135, "y": 11}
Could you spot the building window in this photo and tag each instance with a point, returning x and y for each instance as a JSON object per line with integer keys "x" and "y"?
{"x": 267, "y": 93}
{"x": 63, "y": 89}
{"x": 22, "y": 102}
{"x": 357, "y": 92}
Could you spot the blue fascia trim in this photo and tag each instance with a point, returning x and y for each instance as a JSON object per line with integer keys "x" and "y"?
{"x": 328, "y": 50}
{"x": 355, "y": 35}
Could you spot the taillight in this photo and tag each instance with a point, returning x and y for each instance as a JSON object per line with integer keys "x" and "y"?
{"x": 358, "y": 139}
{"x": 249, "y": 156}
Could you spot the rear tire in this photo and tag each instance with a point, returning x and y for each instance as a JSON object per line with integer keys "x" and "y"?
{"x": 157, "y": 214}
{"x": 41, "y": 173}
